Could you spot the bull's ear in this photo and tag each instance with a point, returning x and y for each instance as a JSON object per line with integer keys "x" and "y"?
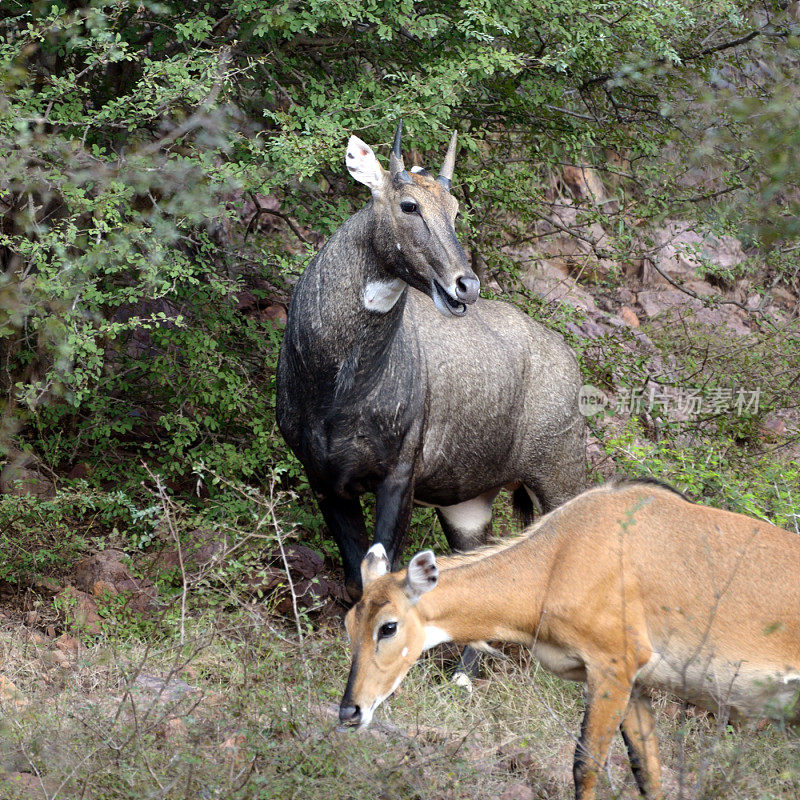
{"x": 422, "y": 575}
{"x": 364, "y": 166}
{"x": 374, "y": 564}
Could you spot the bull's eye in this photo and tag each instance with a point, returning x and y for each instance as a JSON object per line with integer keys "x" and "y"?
{"x": 409, "y": 206}
{"x": 387, "y": 629}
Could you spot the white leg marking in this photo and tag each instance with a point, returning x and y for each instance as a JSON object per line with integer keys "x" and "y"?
{"x": 381, "y": 296}
{"x": 471, "y": 515}
{"x": 463, "y": 680}
{"x": 378, "y": 550}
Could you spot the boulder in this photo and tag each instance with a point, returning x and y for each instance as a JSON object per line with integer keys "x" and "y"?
{"x": 518, "y": 791}
{"x": 20, "y": 481}
{"x": 200, "y": 548}
{"x": 628, "y": 316}
{"x": 680, "y": 251}
{"x": 572, "y": 245}
{"x": 655, "y": 302}
{"x": 661, "y": 303}
{"x": 550, "y": 283}
{"x": 79, "y": 611}
{"x": 11, "y": 698}
{"x": 306, "y": 567}
{"x": 104, "y": 573}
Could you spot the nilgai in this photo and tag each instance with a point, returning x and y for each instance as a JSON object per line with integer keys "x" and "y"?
{"x": 388, "y": 384}
{"x": 626, "y": 587}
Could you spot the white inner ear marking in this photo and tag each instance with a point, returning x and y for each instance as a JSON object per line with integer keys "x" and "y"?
{"x": 434, "y": 636}
{"x": 363, "y": 165}
{"x": 381, "y": 296}
{"x": 398, "y": 246}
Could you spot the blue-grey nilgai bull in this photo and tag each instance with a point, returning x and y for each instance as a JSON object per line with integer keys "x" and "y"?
{"x": 387, "y": 384}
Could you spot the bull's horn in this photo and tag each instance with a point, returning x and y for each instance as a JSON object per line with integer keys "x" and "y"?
{"x": 396, "y": 166}
{"x": 449, "y": 163}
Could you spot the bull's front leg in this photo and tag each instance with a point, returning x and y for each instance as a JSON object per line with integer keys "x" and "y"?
{"x": 393, "y": 503}
{"x": 345, "y": 520}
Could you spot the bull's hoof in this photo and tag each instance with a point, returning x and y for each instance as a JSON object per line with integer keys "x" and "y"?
{"x": 463, "y": 680}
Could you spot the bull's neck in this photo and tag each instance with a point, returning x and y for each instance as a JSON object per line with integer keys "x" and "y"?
{"x": 350, "y": 298}
{"x": 495, "y": 598}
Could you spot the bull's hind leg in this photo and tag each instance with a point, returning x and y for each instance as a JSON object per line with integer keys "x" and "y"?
{"x": 557, "y": 471}
{"x": 466, "y": 526}
{"x": 639, "y": 733}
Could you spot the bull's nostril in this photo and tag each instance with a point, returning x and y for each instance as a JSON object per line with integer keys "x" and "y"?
{"x": 467, "y": 288}
{"x": 349, "y": 714}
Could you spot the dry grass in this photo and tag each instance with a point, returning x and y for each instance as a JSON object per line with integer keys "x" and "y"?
{"x": 242, "y": 710}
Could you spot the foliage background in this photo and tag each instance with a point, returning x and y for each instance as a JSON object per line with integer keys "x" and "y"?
{"x": 161, "y": 161}
{"x": 167, "y": 169}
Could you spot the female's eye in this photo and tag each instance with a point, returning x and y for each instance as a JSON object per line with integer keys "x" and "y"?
{"x": 409, "y": 206}
{"x": 387, "y": 629}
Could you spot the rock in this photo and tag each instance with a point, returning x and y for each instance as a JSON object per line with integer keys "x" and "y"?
{"x": 584, "y": 183}
{"x": 628, "y": 316}
{"x": 275, "y": 313}
{"x": 625, "y": 295}
{"x": 46, "y": 586}
{"x": 679, "y": 251}
{"x": 306, "y": 568}
{"x": 80, "y": 471}
{"x": 25, "y": 785}
{"x": 659, "y": 303}
{"x": 549, "y": 283}
{"x": 517, "y": 791}
{"x": 702, "y": 288}
{"x": 104, "y": 574}
{"x": 233, "y": 748}
{"x": 167, "y": 690}
{"x": 79, "y": 611}
{"x": 735, "y": 319}
{"x": 245, "y": 300}
{"x": 68, "y": 645}
{"x": 576, "y": 251}
{"x": 103, "y": 589}
{"x": 306, "y": 562}
{"x": 655, "y": 302}
{"x": 11, "y": 698}
{"x": 200, "y": 548}
{"x": 20, "y": 481}
{"x": 772, "y": 428}
{"x": 56, "y": 658}
{"x": 174, "y": 730}
{"x": 784, "y": 298}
